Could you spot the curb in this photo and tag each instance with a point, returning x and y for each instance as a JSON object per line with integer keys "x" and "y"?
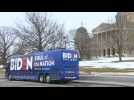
{"x": 125, "y": 84}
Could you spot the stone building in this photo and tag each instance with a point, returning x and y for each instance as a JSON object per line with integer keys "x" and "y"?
{"x": 104, "y": 32}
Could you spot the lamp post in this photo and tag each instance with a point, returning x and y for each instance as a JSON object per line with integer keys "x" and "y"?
{"x": 64, "y": 41}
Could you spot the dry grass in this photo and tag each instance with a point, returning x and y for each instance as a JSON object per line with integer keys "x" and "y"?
{"x": 89, "y": 70}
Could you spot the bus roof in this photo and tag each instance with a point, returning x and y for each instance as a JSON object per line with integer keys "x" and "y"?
{"x": 41, "y": 52}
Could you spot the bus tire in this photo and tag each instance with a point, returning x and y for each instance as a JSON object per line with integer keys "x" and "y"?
{"x": 67, "y": 81}
{"x": 47, "y": 79}
{"x": 10, "y": 77}
{"x": 41, "y": 78}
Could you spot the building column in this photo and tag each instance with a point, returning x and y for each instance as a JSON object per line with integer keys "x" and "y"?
{"x": 98, "y": 45}
{"x": 110, "y": 39}
{"x": 101, "y": 44}
{"x": 116, "y": 51}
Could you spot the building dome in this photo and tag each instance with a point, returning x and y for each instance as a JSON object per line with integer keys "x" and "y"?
{"x": 82, "y": 30}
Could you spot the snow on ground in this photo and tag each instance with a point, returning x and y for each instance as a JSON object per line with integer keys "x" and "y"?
{"x": 108, "y": 62}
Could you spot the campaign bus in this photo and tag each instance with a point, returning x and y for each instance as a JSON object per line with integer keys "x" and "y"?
{"x": 46, "y": 66}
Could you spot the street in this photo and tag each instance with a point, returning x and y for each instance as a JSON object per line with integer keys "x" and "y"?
{"x": 6, "y": 83}
{"x": 85, "y": 81}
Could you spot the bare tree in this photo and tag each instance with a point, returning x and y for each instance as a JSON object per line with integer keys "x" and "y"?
{"x": 119, "y": 41}
{"x": 20, "y": 48}
{"x": 130, "y": 42}
{"x": 82, "y": 43}
{"x": 119, "y": 38}
{"x": 59, "y": 39}
{"x": 71, "y": 39}
{"x": 39, "y": 32}
{"x": 93, "y": 45}
{"x": 7, "y": 39}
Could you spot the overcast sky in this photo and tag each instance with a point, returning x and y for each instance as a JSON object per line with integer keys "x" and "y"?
{"x": 71, "y": 20}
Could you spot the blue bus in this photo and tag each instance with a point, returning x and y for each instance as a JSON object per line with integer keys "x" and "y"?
{"x": 46, "y": 66}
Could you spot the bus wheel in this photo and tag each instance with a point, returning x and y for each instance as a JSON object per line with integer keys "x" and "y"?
{"x": 48, "y": 79}
{"x": 67, "y": 81}
{"x": 9, "y": 77}
{"x": 41, "y": 78}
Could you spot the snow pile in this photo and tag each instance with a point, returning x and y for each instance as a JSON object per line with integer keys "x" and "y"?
{"x": 108, "y": 62}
